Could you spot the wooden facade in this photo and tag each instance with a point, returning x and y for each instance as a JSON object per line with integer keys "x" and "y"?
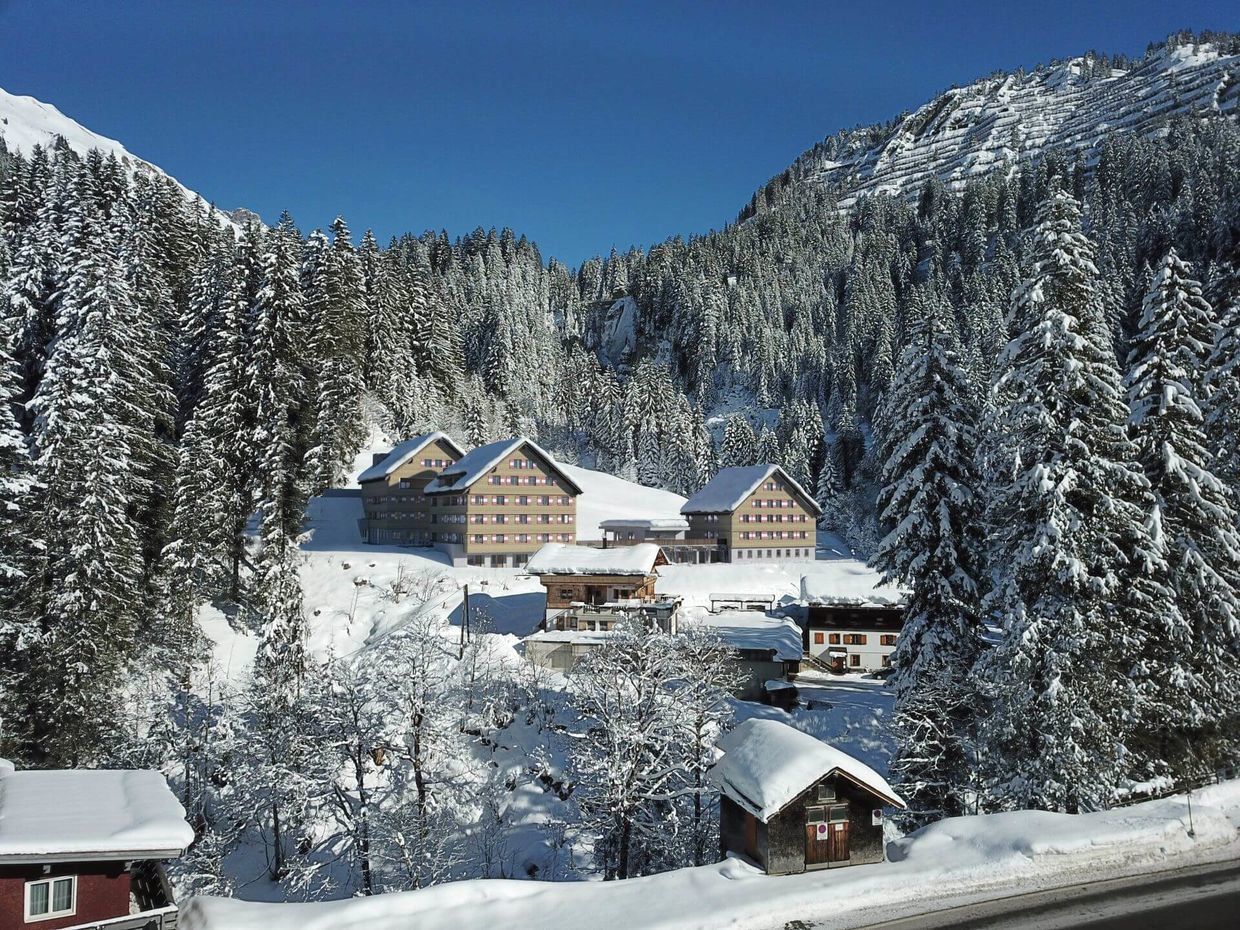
{"x": 398, "y": 512}
{"x": 833, "y": 823}
{"x": 593, "y": 590}
{"x": 776, "y": 519}
{"x": 499, "y": 517}
{"x": 508, "y": 512}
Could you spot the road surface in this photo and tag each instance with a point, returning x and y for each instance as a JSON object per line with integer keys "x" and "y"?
{"x": 1205, "y": 898}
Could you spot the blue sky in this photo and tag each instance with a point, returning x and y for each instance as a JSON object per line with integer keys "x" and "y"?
{"x": 583, "y": 125}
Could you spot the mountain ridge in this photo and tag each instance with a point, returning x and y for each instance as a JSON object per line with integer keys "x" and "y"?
{"x": 26, "y": 122}
{"x": 1010, "y": 117}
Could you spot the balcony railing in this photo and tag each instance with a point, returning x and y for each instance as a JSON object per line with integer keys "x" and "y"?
{"x": 665, "y": 543}
{"x": 164, "y": 918}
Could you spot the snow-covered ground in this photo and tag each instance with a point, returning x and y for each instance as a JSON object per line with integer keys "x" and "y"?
{"x": 949, "y": 863}
{"x": 356, "y": 595}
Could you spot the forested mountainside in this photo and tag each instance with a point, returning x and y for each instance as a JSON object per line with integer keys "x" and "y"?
{"x": 995, "y": 123}
{"x": 166, "y": 375}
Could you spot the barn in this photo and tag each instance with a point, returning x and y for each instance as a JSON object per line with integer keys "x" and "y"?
{"x": 85, "y": 848}
{"x": 791, "y": 803}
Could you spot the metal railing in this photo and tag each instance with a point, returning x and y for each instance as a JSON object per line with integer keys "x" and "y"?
{"x": 163, "y": 918}
{"x": 665, "y": 543}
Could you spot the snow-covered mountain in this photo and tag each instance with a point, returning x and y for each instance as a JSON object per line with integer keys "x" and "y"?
{"x": 1071, "y": 107}
{"x": 26, "y": 122}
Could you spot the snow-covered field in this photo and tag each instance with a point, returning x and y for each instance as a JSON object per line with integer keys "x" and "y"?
{"x": 949, "y": 863}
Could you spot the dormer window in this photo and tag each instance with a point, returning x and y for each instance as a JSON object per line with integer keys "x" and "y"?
{"x": 51, "y": 897}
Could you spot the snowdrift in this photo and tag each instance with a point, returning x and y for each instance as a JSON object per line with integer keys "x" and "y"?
{"x": 950, "y": 863}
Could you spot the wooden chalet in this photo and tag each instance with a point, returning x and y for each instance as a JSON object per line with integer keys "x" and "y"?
{"x": 791, "y": 803}
{"x": 85, "y": 849}
{"x": 585, "y": 576}
{"x": 754, "y": 512}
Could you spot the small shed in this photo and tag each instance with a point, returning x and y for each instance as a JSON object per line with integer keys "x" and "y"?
{"x": 85, "y": 847}
{"x": 791, "y": 803}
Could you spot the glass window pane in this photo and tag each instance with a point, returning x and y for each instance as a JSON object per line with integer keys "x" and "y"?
{"x": 38, "y": 899}
{"x": 62, "y": 894}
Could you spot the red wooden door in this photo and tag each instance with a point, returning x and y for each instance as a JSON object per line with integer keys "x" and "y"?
{"x": 817, "y": 831}
{"x": 837, "y": 841}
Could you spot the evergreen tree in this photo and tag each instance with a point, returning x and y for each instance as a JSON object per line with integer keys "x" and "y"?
{"x": 1194, "y": 658}
{"x": 1065, "y": 524}
{"x": 932, "y": 501}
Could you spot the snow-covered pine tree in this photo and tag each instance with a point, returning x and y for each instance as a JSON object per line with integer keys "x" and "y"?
{"x": 226, "y": 416}
{"x": 1065, "y": 525}
{"x": 1223, "y": 370}
{"x": 89, "y": 564}
{"x": 739, "y": 442}
{"x": 17, "y": 629}
{"x": 931, "y": 499}
{"x": 1193, "y": 656}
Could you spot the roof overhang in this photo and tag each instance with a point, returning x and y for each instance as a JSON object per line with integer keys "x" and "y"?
{"x": 111, "y": 855}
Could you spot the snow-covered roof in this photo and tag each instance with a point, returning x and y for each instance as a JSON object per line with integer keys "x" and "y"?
{"x": 89, "y": 814}
{"x": 647, "y": 523}
{"x": 767, "y": 764}
{"x": 849, "y": 583}
{"x": 731, "y": 486}
{"x": 477, "y": 462}
{"x": 403, "y": 452}
{"x": 563, "y": 559}
{"x": 749, "y": 629}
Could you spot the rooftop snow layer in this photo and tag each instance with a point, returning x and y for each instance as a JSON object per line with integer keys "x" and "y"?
{"x": 766, "y": 764}
{"x": 403, "y": 452}
{"x": 477, "y": 462}
{"x": 647, "y": 523}
{"x": 750, "y": 629}
{"x": 731, "y": 486}
{"x": 606, "y": 497}
{"x": 847, "y": 582}
{"x": 90, "y": 814}
{"x": 563, "y": 559}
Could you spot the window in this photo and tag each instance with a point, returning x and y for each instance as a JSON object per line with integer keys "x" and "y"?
{"x": 854, "y": 639}
{"x": 51, "y": 897}
{"x": 838, "y": 812}
{"x": 854, "y": 660}
{"x": 818, "y": 639}
{"x": 887, "y": 639}
{"x": 826, "y": 792}
{"x": 835, "y": 639}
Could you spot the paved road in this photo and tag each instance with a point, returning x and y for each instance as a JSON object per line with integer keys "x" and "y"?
{"x": 1206, "y": 898}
